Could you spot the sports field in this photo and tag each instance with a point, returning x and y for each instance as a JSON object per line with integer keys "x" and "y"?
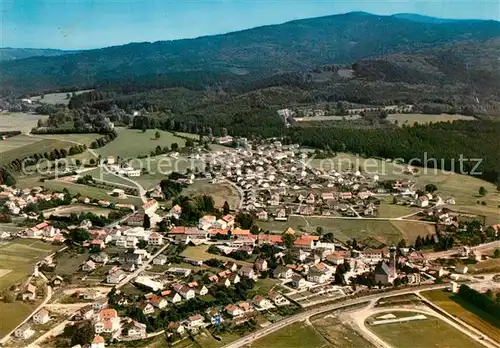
{"x": 430, "y": 332}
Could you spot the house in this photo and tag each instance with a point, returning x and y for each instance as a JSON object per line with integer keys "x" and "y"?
{"x": 233, "y": 310}
{"x": 84, "y": 313}
{"x": 260, "y": 265}
{"x": 174, "y": 297}
{"x": 206, "y": 222}
{"x": 24, "y": 332}
{"x": 108, "y": 321}
{"x": 336, "y": 258}
{"x": 135, "y": 220}
{"x": 133, "y": 258}
{"x": 385, "y": 274}
{"x": 29, "y": 293}
{"x": 281, "y": 215}
{"x": 149, "y": 207}
{"x": 262, "y": 215}
{"x": 133, "y": 328}
{"x": 155, "y": 239}
{"x": 186, "y": 292}
{"x": 422, "y": 201}
{"x": 231, "y": 266}
{"x": 201, "y": 290}
{"x": 100, "y": 304}
{"x": 195, "y": 321}
{"x": 41, "y": 317}
{"x": 183, "y": 272}
{"x": 175, "y": 327}
{"x": 229, "y": 220}
{"x": 224, "y": 282}
{"x": 158, "y": 302}
{"x": 98, "y": 244}
{"x": 234, "y": 278}
{"x": 146, "y": 307}
{"x": 297, "y": 282}
{"x": 100, "y": 257}
{"x": 318, "y": 273}
{"x": 98, "y": 342}
{"x": 57, "y": 281}
{"x": 246, "y": 272}
{"x": 282, "y": 272}
{"x": 262, "y": 302}
{"x": 91, "y": 294}
{"x": 115, "y": 277}
{"x": 160, "y": 260}
{"x": 278, "y": 299}
{"x": 310, "y": 199}
{"x": 461, "y": 269}
{"x": 327, "y": 196}
{"x": 214, "y": 316}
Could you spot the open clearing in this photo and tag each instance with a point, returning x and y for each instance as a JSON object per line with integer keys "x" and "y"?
{"x": 382, "y": 231}
{"x": 467, "y": 312}
{"x": 56, "y": 98}
{"x": 430, "y": 332}
{"x": 77, "y": 209}
{"x": 327, "y": 118}
{"x": 18, "y": 256}
{"x": 296, "y": 335}
{"x": 15, "y": 142}
{"x": 41, "y": 146}
{"x": 84, "y": 138}
{"x": 338, "y": 333}
{"x": 411, "y": 229}
{"x": 132, "y": 143}
{"x": 19, "y": 121}
{"x": 410, "y": 119}
{"x": 220, "y": 192}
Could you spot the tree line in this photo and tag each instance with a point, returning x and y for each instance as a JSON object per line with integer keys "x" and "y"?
{"x": 481, "y": 301}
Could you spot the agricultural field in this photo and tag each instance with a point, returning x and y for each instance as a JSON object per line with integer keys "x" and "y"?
{"x": 17, "y": 259}
{"x": 220, "y": 192}
{"x": 101, "y": 174}
{"x": 30, "y": 148}
{"x": 132, "y": 143}
{"x": 488, "y": 266}
{"x": 430, "y": 332}
{"x": 296, "y": 335}
{"x": 410, "y": 230}
{"x": 343, "y": 229}
{"x": 84, "y": 138}
{"x": 338, "y": 333}
{"x": 410, "y": 119}
{"x": 19, "y": 121}
{"x": 200, "y": 253}
{"x": 16, "y": 142}
{"x": 467, "y": 312}
{"x": 77, "y": 208}
{"x": 388, "y": 210}
{"x": 19, "y": 256}
{"x": 56, "y": 98}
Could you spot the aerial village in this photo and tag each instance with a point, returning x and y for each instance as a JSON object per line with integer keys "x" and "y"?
{"x": 146, "y": 273}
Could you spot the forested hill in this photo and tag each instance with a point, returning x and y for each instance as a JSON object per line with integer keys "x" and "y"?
{"x": 8, "y": 53}
{"x": 292, "y": 46}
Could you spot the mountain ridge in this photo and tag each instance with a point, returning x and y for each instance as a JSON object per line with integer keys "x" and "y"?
{"x": 291, "y": 46}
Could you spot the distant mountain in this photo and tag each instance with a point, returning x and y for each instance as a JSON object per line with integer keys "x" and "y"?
{"x": 8, "y": 53}
{"x": 425, "y": 19}
{"x": 297, "y": 45}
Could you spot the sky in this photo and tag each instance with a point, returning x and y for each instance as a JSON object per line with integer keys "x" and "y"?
{"x": 84, "y": 24}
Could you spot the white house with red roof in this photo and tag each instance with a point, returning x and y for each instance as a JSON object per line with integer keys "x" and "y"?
{"x": 155, "y": 239}
{"x": 149, "y": 207}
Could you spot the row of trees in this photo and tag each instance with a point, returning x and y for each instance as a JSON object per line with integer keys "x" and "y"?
{"x": 103, "y": 140}
{"x": 482, "y": 301}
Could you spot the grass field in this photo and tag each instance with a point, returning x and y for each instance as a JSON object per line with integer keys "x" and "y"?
{"x": 200, "y": 253}
{"x": 430, "y": 332}
{"x": 41, "y": 146}
{"x": 328, "y": 118}
{"x": 295, "y": 335}
{"x": 77, "y": 208}
{"x": 410, "y": 119}
{"x": 19, "y": 121}
{"x": 132, "y": 143}
{"x": 19, "y": 256}
{"x": 410, "y": 230}
{"x": 220, "y": 192}
{"x": 56, "y": 98}
{"x": 339, "y": 334}
{"x": 85, "y": 139}
{"x": 383, "y": 231}
{"x": 100, "y": 174}
{"x": 488, "y": 266}
{"x": 467, "y": 312}
{"x": 388, "y": 210}
{"x": 263, "y": 286}
{"x": 16, "y": 142}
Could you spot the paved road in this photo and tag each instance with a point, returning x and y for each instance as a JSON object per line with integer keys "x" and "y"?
{"x": 363, "y": 218}
{"x": 141, "y": 268}
{"x": 448, "y": 253}
{"x": 303, "y": 316}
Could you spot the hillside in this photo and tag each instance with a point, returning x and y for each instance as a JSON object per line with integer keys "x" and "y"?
{"x": 292, "y": 46}
{"x": 8, "y": 53}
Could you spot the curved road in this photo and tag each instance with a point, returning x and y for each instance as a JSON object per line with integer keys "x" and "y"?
{"x": 327, "y": 308}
